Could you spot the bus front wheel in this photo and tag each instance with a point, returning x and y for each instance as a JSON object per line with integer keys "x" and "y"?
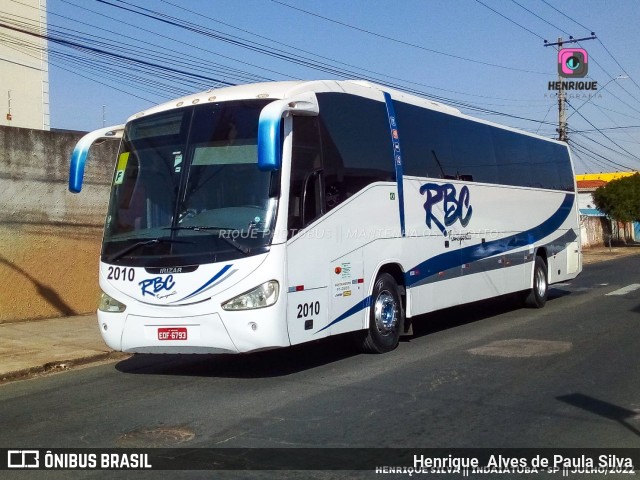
{"x": 386, "y": 317}
{"x": 537, "y": 296}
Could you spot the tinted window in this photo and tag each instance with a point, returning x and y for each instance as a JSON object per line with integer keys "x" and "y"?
{"x": 424, "y": 140}
{"x": 473, "y": 154}
{"x": 439, "y": 145}
{"x": 513, "y": 153}
{"x": 344, "y": 149}
{"x": 550, "y": 164}
{"x": 564, "y": 168}
{"x": 356, "y": 142}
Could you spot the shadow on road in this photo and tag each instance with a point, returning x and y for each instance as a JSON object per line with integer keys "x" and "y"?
{"x": 272, "y": 363}
{"x": 601, "y": 408}
{"x": 285, "y": 361}
{"x": 473, "y": 312}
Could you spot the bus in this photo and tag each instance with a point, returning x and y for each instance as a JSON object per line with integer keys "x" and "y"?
{"x": 272, "y": 214}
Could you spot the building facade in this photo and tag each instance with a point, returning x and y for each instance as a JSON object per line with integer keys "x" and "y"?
{"x": 596, "y": 228}
{"x": 24, "y": 71}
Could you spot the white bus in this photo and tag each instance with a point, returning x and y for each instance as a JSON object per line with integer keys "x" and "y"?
{"x": 268, "y": 215}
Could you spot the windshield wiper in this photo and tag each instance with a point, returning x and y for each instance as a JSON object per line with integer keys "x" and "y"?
{"x": 231, "y": 241}
{"x": 142, "y": 243}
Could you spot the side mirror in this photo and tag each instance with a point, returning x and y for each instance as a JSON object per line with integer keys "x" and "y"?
{"x": 269, "y": 127}
{"x": 81, "y": 152}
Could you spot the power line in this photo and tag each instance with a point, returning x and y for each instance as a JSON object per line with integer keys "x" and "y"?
{"x": 98, "y": 81}
{"x": 402, "y": 42}
{"x": 21, "y": 64}
{"x": 128, "y": 55}
{"x": 604, "y": 135}
{"x": 593, "y": 160}
{"x": 228, "y": 70}
{"x": 605, "y": 48}
{"x": 586, "y": 137}
{"x": 603, "y": 129}
{"x": 297, "y": 49}
{"x": 618, "y": 63}
{"x": 567, "y": 16}
{"x": 599, "y": 40}
{"x": 624, "y": 130}
{"x": 626, "y": 167}
{"x": 611, "y": 77}
{"x": 508, "y": 19}
{"x": 545, "y": 117}
{"x": 165, "y": 18}
{"x": 540, "y": 18}
{"x": 111, "y": 54}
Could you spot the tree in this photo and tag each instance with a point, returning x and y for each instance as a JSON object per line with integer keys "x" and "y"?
{"x": 620, "y": 199}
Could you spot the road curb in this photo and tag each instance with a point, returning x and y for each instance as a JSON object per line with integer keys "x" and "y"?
{"x": 60, "y": 366}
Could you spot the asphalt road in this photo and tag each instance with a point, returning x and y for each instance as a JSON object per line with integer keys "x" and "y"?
{"x": 484, "y": 375}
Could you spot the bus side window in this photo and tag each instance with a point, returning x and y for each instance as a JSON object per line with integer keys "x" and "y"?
{"x": 356, "y": 145}
{"x": 305, "y": 197}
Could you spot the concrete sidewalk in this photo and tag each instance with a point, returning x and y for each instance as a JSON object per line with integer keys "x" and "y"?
{"x": 31, "y": 348}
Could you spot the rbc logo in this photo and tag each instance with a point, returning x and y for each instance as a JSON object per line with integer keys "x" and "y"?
{"x": 152, "y": 286}
{"x": 455, "y": 207}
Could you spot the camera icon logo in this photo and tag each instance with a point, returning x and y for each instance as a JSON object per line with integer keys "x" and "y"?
{"x": 23, "y": 459}
{"x": 573, "y": 62}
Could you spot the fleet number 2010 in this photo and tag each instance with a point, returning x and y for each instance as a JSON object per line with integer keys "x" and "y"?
{"x": 307, "y": 309}
{"x": 124, "y": 273}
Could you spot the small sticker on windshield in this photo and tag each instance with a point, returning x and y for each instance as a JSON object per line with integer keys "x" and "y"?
{"x": 122, "y": 166}
{"x": 177, "y": 161}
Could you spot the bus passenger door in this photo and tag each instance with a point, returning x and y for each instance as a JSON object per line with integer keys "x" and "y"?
{"x": 307, "y": 248}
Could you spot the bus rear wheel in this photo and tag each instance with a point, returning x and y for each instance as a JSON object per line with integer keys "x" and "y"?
{"x": 386, "y": 317}
{"x": 537, "y": 296}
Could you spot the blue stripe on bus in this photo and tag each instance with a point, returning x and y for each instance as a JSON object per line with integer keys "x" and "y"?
{"x": 397, "y": 156}
{"x": 352, "y": 311}
{"x": 209, "y": 282}
{"x": 456, "y": 258}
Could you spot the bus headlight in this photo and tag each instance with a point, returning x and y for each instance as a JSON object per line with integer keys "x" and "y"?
{"x": 111, "y": 305}
{"x": 263, "y": 296}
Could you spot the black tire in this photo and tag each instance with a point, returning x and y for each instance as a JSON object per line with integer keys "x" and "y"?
{"x": 386, "y": 317}
{"x": 537, "y": 296}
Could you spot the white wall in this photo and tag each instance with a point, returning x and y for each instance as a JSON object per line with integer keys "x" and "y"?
{"x": 585, "y": 200}
{"x": 24, "y": 73}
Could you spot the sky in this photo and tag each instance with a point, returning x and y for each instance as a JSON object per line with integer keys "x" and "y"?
{"x": 112, "y": 58}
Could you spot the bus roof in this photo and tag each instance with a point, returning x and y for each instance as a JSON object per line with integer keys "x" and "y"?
{"x": 288, "y": 89}
{"x": 283, "y": 90}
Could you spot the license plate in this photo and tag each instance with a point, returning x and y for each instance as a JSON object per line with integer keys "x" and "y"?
{"x": 172, "y": 333}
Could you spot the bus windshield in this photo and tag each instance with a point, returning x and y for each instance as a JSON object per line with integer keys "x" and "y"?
{"x": 187, "y": 188}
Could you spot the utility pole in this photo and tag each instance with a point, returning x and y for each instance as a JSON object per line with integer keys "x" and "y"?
{"x": 562, "y": 96}
{"x": 562, "y": 112}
